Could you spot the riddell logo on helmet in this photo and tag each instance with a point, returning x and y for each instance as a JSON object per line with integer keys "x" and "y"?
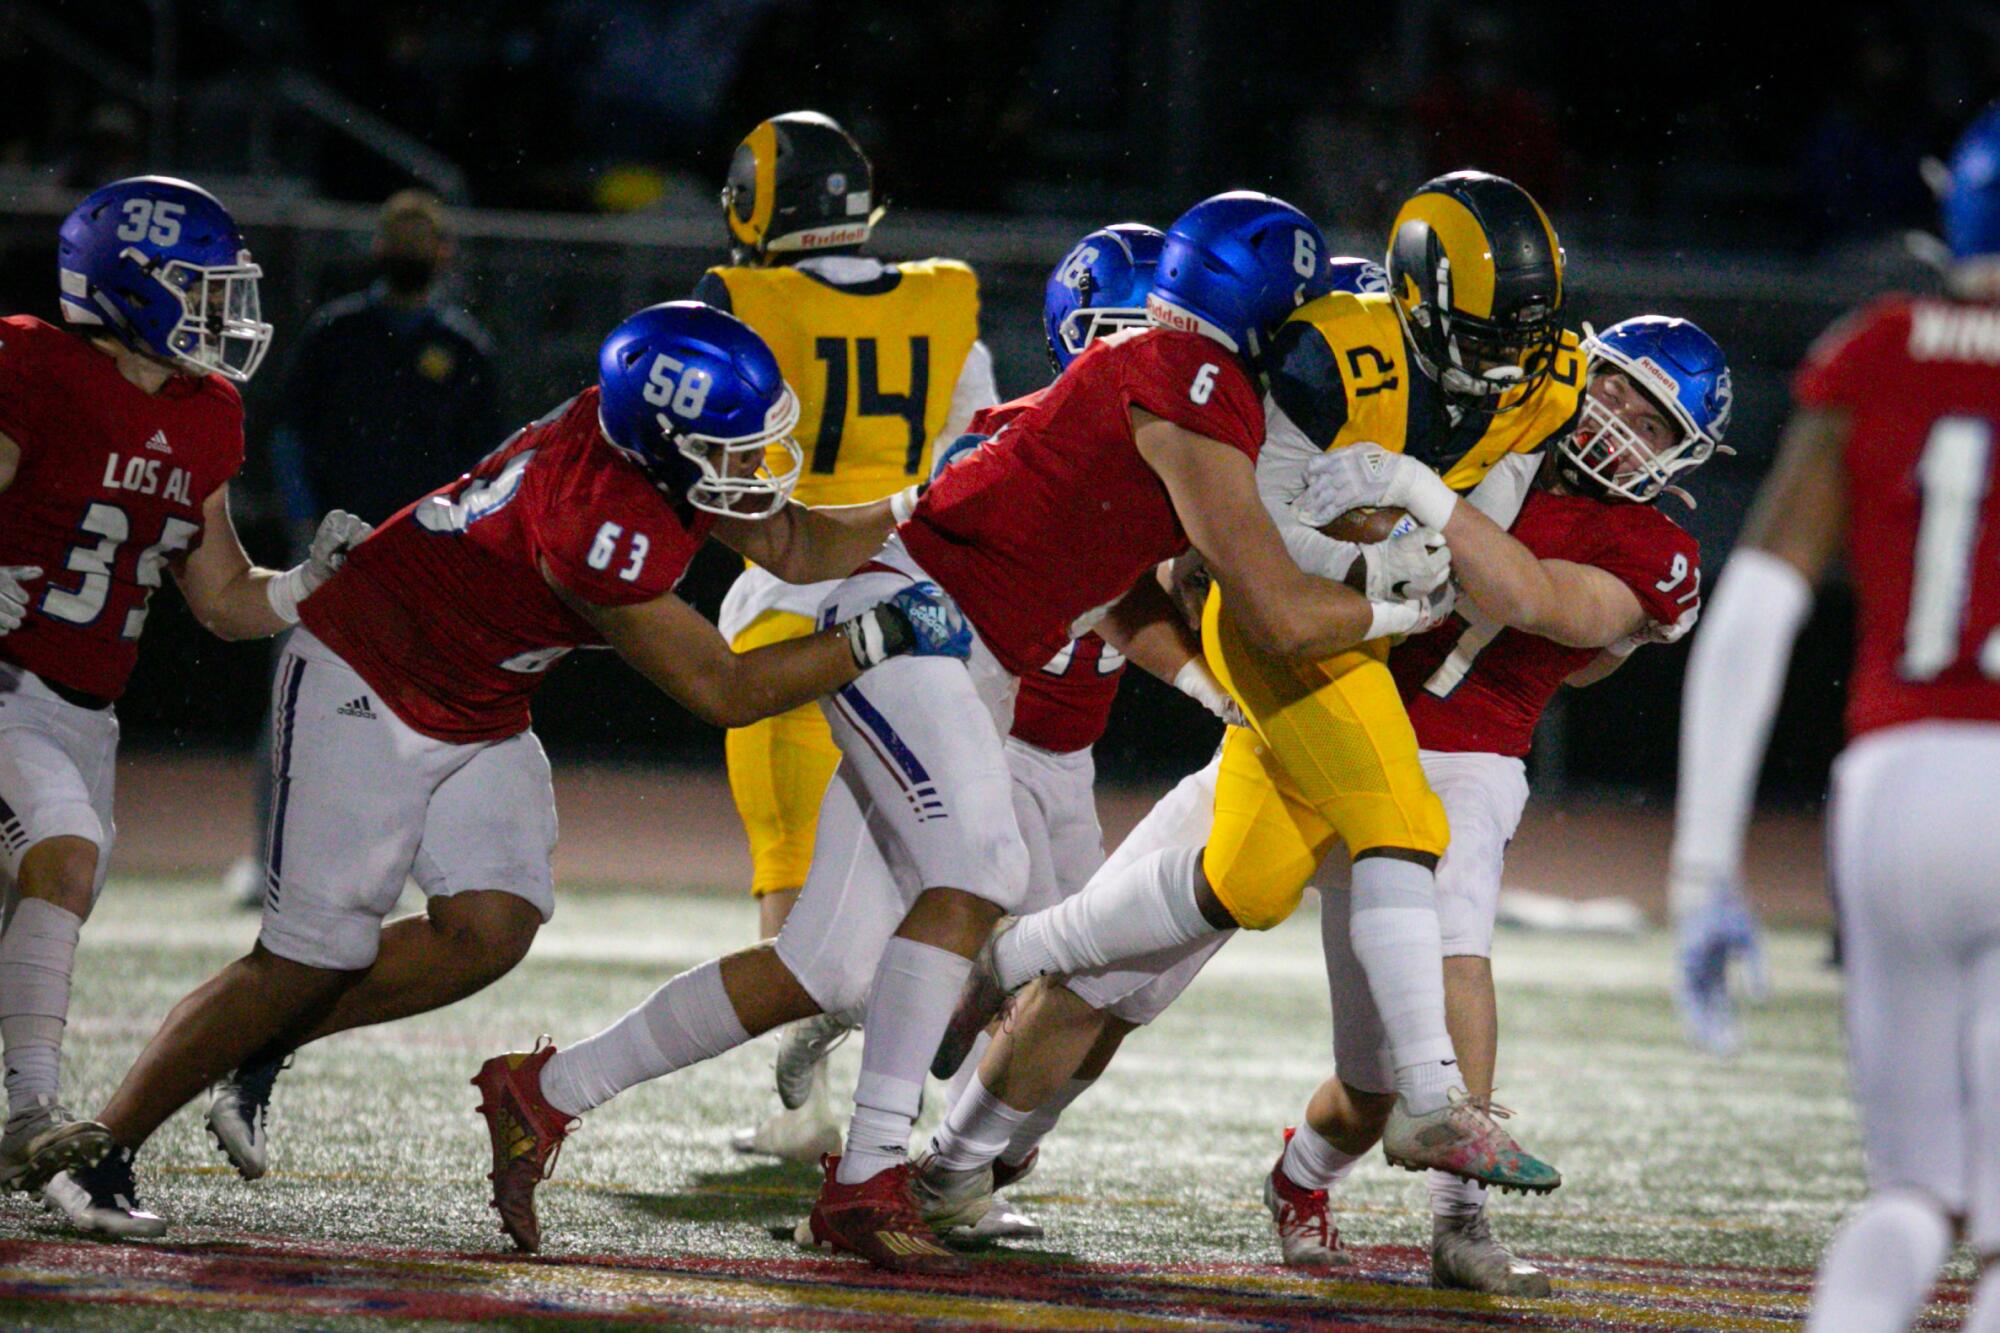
{"x": 826, "y": 236}
{"x": 1171, "y": 317}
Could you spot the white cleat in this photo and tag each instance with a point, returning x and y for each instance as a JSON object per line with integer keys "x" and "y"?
{"x": 803, "y": 1135}
{"x": 1003, "y": 1221}
{"x": 238, "y": 1112}
{"x": 102, "y": 1200}
{"x": 1465, "y": 1256}
{"x": 802, "y": 1051}
{"x": 243, "y": 883}
{"x": 43, "y": 1139}
{"x": 1307, "y": 1237}
{"x": 950, "y": 1199}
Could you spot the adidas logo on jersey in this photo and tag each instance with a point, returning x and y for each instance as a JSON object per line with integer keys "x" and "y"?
{"x": 358, "y": 707}
{"x": 158, "y": 444}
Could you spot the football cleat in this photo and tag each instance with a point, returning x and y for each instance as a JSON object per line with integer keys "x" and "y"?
{"x": 1465, "y": 1256}
{"x": 527, "y": 1135}
{"x": 238, "y": 1111}
{"x": 981, "y": 999}
{"x": 1463, "y": 1138}
{"x": 950, "y": 1198}
{"x": 878, "y": 1221}
{"x": 103, "y": 1199}
{"x": 44, "y": 1138}
{"x": 802, "y": 1052}
{"x": 1003, "y": 1221}
{"x": 1307, "y": 1237}
{"x": 803, "y": 1135}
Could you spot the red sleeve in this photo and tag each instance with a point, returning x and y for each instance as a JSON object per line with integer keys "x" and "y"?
{"x": 1653, "y": 556}
{"x": 987, "y": 420}
{"x": 1845, "y": 363}
{"x": 609, "y": 553}
{"x": 25, "y": 398}
{"x": 1198, "y": 385}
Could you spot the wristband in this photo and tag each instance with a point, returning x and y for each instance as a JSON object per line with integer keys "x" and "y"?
{"x": 1391, "y": 619}
{"x": 878, "y": 634}
{"x": 285, "y": 591}
{"x": 904, "y": 503}
{"x": 1198, "y": 683}
{"x": 1429, "y": 501}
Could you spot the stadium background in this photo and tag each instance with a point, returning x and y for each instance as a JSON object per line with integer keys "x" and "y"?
{"x": 1759, "y": 186}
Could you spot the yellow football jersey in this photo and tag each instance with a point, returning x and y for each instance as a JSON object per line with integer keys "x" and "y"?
{"x": 1344, "y": 375}
{"x": 872, "y": 361}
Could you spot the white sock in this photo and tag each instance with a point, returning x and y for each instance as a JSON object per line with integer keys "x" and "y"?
{"x": 963, "y": 1078}
{"x": 1454, "y": 1196}
{"x": 915, "y": 988}
{"x": 1041, "y": 1120}
{"x": 1394, "y": 931}
{"x": 37, "y": 955}
{"x": 1311, "y": 1163}
{"x": 1985, "y": 1316}
{"x": 1881, "y": 1266}
{"x": 1129, "y": 912}
{"x": 684, "y": 1022}
{"x": 978, "y": 1126}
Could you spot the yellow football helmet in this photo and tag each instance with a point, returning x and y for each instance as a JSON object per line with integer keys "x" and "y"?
{"x": 798, "y": 182}
{"x": 1477, "y": 276}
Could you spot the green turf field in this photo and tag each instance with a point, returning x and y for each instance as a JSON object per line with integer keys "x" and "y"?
{"x": 1699, "y": 1193}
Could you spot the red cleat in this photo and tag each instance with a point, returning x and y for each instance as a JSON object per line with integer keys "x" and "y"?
{"x": 527, "y": 1134}
{"x": 1307, "y": 1237}
{"x": 878, "y": 1220}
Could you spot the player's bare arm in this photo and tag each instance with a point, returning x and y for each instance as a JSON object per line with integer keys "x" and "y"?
{"x": 224, "y": 590}
{"x": 677, "y": 649}
{"x": 1801, "y": 512}
{"x": 810, "y": 544}
{"x": 1576, "y": 605}
{"x": 1147, "y": 627}
{"x": 10, "y": 459}
{"x": 1283, "y": 611}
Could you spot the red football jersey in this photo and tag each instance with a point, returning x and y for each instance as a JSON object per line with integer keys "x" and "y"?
{"x": 1920, "y": 382}
{"x": 1473, "y": 685}
{"x": 108, "y": 493}
{"x": 444, "y": 609}
{"x": 1066, "y": 705}
{"x": 1053, "y": 519}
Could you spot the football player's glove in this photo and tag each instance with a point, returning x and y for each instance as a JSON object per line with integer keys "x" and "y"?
{"x": 14, "y": 598}
{"x": 694, "y": 395}
{"x": 159, "y": 264}
{"x": 1720, "y": 930}
{"x": 920, "y": 621}
{"x": 1367, "y": 476}
{"x": 339, "y": 532}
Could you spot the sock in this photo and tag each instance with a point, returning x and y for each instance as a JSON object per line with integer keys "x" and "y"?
{"x": 1041, "y": 1120}
{"x": 1453, "y": 1196}
{"x": 1985, "y": 1316}
{"x": 684, "y": 1022}
{"x": 1881, "y": 1265}
{"x": 977, "y": 1128}
{"x": 37, "y": 955}
{"x": 915, "y": 987}
{"x": 963, "y": 1078}
{"x": 1310, "y": 1162}
{"x": 1394, "y": 931}
{"x": 1138, "y": 909}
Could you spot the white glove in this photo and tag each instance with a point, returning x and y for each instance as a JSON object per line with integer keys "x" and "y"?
{"x": 1198, "y": 683}
{"x": 1412, "y": 564}
{"x": 1655, "y": 632}
{"x": 1719, "y": 938}
{"x": 1396, "y": 619}
{"x": 1369, "y": 476}
{"x": 339, "y": 532}
{"x": 14, "y": 598}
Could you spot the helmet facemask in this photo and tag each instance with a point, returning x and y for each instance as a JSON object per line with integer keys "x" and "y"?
{"x": 220, "y": 329}
{"x": 1606, "y": 455}
{"x": 736, "y": 479}
{"x": 1479, "y": 361}
{"x": 1087, "y": 323}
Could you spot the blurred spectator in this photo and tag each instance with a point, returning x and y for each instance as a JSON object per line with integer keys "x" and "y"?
{"x": 389, "y": 391}
{"x": 111, "y": 147}
{"x": 1860, "y": 174}
{"x": 1478, "y": 110}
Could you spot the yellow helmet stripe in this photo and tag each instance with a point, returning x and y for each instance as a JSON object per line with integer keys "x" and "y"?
{"x": 763, "y": 145}
{"x": 1465, "y": 245}
{"x": 1555, "y": 246}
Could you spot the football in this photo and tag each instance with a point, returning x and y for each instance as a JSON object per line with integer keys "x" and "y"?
{"x": 1364, "y": 525}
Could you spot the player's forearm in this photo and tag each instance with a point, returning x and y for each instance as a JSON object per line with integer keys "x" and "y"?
{"x": 1298, "y": 618}
{"x": 815, "y": 544}
{"x": 777, "y": 678}
{"x": 1149, "y": 630}
{"x": 238, "y": 606}
{"x": 1501, "y": 575}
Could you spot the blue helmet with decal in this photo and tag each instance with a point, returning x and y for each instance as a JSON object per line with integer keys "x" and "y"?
{"x": 1235, "y": 266}
{"x": 160, "y": 265}
{"x": 697, "y": 398}
{"x": 1970, "y": 186}
{"x": 1361, "y": 277}
{"x": 1099, "y": 287}
{"x": 1682, "y": 372}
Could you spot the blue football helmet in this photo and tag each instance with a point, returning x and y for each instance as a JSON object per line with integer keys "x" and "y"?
{"x": 1234, "y": 266}
{"x": 1971, "y": 190}
{"x": 1361, "y": 277}
{"x": 1681, "y": 370}
{"x": 162, "y": 267}
{"x": 695, "y": 396}
{"x": 1099, "y": 287}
